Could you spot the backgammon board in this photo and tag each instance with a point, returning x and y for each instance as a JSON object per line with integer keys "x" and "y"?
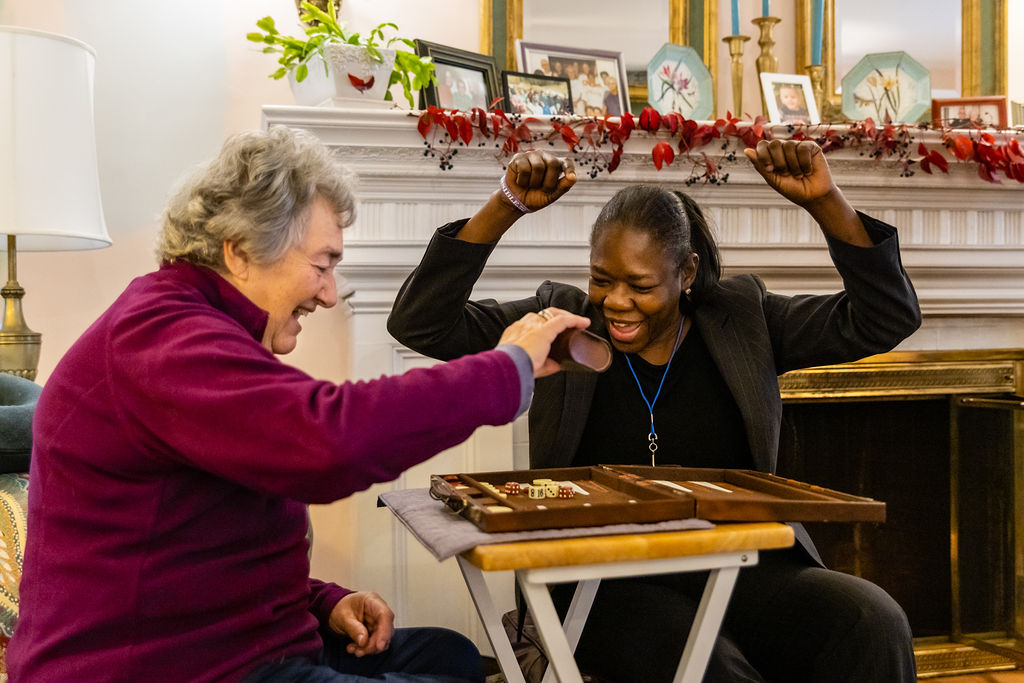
{"x": 517, "y": 500}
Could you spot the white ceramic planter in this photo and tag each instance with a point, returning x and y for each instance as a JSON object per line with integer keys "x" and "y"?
{"x": 335, "y": 89}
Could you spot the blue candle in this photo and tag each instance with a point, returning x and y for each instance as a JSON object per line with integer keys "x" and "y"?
{"x": 817, "y": 24}
{"x": 765, "y": 9}
{"x": 735, "y": 17}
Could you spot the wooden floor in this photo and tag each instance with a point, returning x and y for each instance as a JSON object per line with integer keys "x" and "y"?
{"x": 493, "y": 676}
{"x": 993, "y": 677}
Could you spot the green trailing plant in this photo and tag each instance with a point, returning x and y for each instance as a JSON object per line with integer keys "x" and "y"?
{"x": 322, "y": 27}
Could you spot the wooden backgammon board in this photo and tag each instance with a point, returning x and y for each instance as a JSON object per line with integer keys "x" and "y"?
{"x": 517, "y": 500}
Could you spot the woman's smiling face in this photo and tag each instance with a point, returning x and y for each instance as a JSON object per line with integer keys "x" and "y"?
{"x": 297, "y": 283}
{"x": 637, "y": 285}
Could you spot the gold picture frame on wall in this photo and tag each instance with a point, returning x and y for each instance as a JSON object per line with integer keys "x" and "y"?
{"x": 974, "y": 48}
{"x": 681, "y": 13}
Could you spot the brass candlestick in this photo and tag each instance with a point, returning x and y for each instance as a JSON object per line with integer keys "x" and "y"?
{"x": 736, "y": 52}
{"x": 767, "y": 62}
{"x": 817, "y": 75}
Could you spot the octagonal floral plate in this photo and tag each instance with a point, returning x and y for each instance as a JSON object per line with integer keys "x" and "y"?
{"x": 887, "y": 86}
{"x": 677, "y": 80}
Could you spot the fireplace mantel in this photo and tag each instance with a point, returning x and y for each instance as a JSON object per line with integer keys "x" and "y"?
{"x": 962, "y": 242}
{"x": 962, "y": 238}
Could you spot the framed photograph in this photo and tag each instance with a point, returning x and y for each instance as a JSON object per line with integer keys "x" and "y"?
{"x": 789, "y": 98}
{"x": 464, "y": 79}
{"x": 970, "y": 112}
{"x": 535, "y": 94}
{"x": 597, "y": 78}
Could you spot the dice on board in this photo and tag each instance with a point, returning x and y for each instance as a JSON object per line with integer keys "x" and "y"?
{"x": 513, "y": 488}
{"x": 566, "y": 491}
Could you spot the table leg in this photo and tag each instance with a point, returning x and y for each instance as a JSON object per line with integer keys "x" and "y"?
{"x": 491, "y": 620}
{"x": 576, "y": 618}
{"x": 556, "y": 644}
{"x": 706, "y": 624}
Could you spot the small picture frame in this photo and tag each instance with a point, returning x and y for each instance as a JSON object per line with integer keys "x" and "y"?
{"x": 534, "y": 94}
{"x": 789, "y": 98}
{"x": 970, "y": 112}
{"x": 597, "y": 78}
{"x": 465, "y": 80}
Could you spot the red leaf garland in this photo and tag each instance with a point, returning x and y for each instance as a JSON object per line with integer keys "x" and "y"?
{"x": 597, "y": 143}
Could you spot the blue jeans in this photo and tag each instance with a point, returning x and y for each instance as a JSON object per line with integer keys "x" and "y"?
{"x": 420, "y": 655}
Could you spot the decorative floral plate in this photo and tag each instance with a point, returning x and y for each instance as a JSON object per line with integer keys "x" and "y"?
{"x": 887, "y": 86}
{"x": 677, "y": 80}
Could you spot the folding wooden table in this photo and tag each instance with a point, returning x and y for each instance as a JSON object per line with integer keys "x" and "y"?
{"x": 723, "y": 550}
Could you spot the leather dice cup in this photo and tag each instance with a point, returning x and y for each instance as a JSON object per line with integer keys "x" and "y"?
{"x": 582, "y": 347}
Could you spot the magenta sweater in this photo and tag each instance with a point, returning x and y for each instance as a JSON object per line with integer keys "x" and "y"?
{"x": 173, "y": 458}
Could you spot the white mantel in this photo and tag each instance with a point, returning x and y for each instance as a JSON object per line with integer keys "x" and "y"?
{"x": 962, "y": 238}
{"x": 962, "y": 243}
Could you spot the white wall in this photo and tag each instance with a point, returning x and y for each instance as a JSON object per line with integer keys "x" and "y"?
{"x": 173, "y": 79}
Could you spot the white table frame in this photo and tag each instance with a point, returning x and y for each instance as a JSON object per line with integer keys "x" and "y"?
{"x": 560, "y": 639}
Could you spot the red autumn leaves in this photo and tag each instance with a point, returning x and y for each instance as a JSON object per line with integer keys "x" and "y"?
{"x": 676, "y": 135}
{"x": 991, "y": 156}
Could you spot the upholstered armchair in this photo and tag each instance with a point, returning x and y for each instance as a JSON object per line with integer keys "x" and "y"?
{"x": 18, "y": 399}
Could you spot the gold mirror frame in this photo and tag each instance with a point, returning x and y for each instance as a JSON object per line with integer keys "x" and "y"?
{"x": 972, "y": 43}
{"x": 679, "y": 23}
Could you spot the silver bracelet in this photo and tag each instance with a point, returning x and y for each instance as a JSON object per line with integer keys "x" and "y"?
{"x": 512, "y": 198}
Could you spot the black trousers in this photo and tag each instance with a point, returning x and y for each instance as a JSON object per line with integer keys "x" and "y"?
{"x": 787, "y": 622}
{"x": 416, "y": 655}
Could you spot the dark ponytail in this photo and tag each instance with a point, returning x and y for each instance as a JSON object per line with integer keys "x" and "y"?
{"x": 702, "y": 243}
{"x": 672, "y": 219}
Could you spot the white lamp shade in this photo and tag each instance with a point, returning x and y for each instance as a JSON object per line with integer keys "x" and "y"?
{"x": 49, "y": 180}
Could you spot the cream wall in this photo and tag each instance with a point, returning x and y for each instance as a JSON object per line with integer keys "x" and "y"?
{"x": 173, "y": 79}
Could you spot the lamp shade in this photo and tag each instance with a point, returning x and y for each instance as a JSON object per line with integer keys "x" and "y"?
{"x": 49, "y": 180}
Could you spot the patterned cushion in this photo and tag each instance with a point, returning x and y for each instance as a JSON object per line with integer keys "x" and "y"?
{"x": 13, "y": 509}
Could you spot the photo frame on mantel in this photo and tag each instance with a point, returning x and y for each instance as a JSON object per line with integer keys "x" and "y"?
{"x": 597, "y": 78}
{"x": 465, "y": 80}
{"x": 970, "y": 112}
{"x": 789, "y": 98}
{"x": 532, "y": 94}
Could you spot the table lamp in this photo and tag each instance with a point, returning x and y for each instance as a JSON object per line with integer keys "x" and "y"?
{"x": 49, "y": 181}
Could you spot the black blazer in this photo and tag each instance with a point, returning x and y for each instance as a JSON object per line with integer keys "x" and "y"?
{"x": 753, "y": 335}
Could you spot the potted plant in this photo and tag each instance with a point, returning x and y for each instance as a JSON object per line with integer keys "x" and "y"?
{"x": 332, "y": 65}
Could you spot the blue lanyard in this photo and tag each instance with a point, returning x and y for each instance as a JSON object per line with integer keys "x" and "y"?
{"x": 652, "y": 438}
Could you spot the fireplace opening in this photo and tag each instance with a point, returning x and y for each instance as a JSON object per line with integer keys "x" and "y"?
{"x": 947, "y": 469}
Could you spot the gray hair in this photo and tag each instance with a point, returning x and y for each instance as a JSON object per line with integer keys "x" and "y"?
{"x": 258, "y": 193}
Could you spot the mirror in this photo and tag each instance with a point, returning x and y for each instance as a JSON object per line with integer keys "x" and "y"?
{"x": 977, "y": 27}
{"x": 584, "y": 24}
{"x": 502, "y": 29}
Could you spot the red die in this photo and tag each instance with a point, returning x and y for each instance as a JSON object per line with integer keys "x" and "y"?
{"x": 565, "y": 492}
{"x": 512, "y": 488}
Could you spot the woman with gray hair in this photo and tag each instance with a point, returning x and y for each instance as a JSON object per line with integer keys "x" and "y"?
{"x": 175, "y": 454}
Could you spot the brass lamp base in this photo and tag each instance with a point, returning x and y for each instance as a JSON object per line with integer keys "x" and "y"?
{"x": 19, "y": 346}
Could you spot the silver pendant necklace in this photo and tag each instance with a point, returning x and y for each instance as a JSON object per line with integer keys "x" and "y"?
{"x": 652, "y": 437}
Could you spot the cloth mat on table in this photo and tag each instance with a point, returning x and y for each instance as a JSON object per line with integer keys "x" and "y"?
{"x": 446, "y": 534}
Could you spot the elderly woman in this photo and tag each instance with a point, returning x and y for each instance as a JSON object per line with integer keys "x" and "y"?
{"x": 175, "y": 453}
